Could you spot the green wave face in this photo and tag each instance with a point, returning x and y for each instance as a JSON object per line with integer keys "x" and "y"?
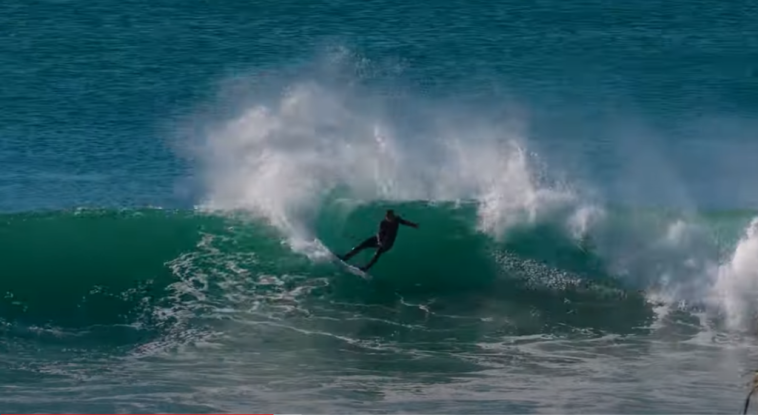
{"x": 124, "y": 277}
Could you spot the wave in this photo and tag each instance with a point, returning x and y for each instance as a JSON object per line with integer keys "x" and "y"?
{"x": 137, "y": 276}
{"x": 288, "y": 177}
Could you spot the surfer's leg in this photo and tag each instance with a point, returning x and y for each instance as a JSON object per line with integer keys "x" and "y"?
{"x": 375, "y": 258}
{"x": 370, "y": 242}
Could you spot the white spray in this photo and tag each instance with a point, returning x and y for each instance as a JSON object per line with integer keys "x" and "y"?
{"x": 280, "y": 159}
{"x": 735, "y": 288}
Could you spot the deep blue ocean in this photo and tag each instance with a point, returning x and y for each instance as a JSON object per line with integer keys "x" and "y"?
{"x": 174, "y": 176}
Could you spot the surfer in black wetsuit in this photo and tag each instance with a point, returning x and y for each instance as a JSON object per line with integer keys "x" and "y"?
{"x": 383, "y": 240}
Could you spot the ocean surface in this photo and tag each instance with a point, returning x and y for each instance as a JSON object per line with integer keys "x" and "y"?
{"x": 174, "y": 175}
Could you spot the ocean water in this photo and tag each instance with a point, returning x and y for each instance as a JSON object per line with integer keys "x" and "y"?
{"x": 174, "y": 175}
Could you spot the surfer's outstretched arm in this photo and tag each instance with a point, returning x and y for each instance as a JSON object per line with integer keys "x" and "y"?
{"x": 407, "y": 223}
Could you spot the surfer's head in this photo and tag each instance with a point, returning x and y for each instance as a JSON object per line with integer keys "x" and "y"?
{"x": 390, "y": 214}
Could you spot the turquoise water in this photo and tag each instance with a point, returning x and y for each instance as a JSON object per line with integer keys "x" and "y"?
{"x": 172, "y": 178}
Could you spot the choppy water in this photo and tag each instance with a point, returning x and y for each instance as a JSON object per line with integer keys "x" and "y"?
{"x": 172, "y": 176}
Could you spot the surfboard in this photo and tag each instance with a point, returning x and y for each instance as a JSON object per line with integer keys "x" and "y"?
{"x": 351, "y": 268}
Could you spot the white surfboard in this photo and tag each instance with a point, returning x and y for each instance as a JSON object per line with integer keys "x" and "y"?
{"x": 352, "y": 268}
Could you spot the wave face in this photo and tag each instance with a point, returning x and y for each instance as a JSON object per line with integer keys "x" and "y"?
{"x": 91, "y": 269}
{"x": 151, "y": 278}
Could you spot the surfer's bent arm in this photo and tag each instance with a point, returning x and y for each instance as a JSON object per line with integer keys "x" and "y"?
{"x": 407, "y": 223}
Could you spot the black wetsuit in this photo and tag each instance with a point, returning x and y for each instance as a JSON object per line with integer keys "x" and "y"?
{"x": 383, "y": 240}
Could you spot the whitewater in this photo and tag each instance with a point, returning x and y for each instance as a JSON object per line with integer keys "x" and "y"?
{"x": 172, "y": 191}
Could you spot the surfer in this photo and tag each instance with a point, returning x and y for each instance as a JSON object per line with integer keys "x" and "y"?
{"x": 383, "y": 240}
